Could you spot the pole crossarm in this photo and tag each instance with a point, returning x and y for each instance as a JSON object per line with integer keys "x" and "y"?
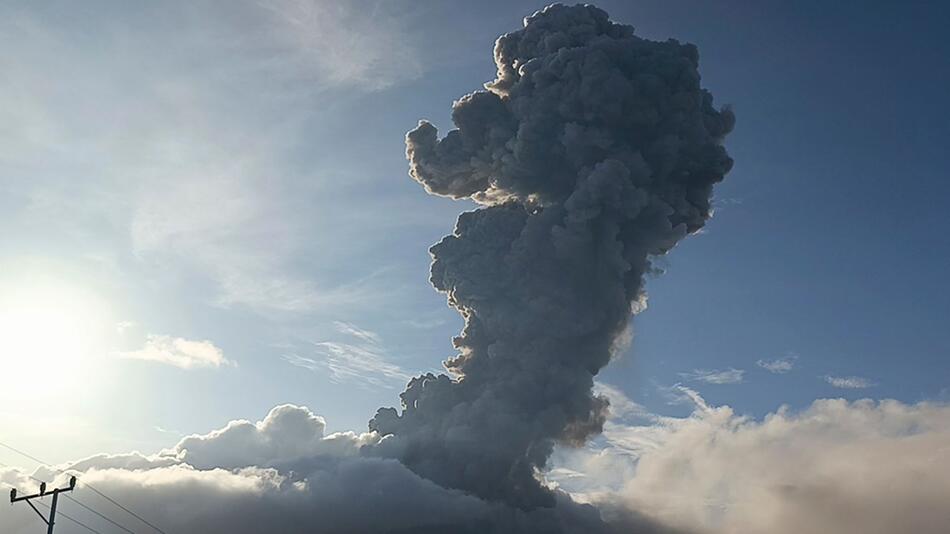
{"x": 39, "y": 513}
{"x": 14, "y": 498}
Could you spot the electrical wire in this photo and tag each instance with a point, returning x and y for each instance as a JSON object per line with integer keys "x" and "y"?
{"x": 98, "y": 514}
{"x": 83, "y": 525}
{"x": 130, "y": 512}
{"x": 77, "y": 501}
{"x": 72, "y": 499}
{"x": 93, "y": 489}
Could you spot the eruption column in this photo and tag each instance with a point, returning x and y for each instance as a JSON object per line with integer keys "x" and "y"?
{"x": 592, "y": 151}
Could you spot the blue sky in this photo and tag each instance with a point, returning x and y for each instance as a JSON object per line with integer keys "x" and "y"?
{"x": 237, "y": 177}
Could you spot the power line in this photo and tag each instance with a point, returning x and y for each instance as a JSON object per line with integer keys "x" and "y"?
{"x": 133, "y": 514}
{"x": 98, "y": 514}
{"x": 83, "y": 525}
{"x": 50, "y": 520}
{"x": 21, "y": 453}
{"x": 75, "y": 500}
{"x": 86, "y": 484}
{"x": 18, "y": 470}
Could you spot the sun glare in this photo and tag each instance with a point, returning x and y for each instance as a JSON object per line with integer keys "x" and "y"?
{"x": 49, "y": 336}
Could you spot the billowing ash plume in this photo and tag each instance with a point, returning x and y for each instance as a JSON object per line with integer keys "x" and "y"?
{"x": 592, "y": 151}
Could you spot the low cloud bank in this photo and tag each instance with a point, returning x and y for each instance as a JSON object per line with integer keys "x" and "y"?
{"x": 285, "y": 474}
{"x": 863, "y": 467}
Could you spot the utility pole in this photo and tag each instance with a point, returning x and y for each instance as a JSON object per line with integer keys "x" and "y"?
{"x": 43, "y": 493}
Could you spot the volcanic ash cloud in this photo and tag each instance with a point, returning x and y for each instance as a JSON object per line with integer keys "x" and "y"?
{"x": 592, "y": 151}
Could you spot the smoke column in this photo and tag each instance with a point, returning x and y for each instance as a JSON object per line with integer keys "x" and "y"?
{"x": 592, "y": 151}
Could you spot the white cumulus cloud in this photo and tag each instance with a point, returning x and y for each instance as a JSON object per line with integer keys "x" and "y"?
{"x": 281, "y": 474}
{"x": 178, "y": 352}
{"x": 777, "y": 366}
{"x": 864, "y": 467}
{"x": 848, "y": 382}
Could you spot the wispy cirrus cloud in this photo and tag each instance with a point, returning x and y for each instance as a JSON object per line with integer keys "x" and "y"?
{"x": 367, "y": 336}
{"x": 153, "y": 169}
{"x": 178, "y": 352}
{"x": 716, "y": 376}
{"x": 359, "y": 44}
{"x": 778, "y": 365}
{"x": 678, "y": 394}
{"x": 359, "y": 359}
{"x": 848, "y": 382}
{"x": 424, "y": 324}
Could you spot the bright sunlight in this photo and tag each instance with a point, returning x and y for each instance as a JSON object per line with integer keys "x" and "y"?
{"x": 49, "y": 335}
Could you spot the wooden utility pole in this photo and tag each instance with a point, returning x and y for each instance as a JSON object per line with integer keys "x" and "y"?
{"x": 43, "y": 493}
